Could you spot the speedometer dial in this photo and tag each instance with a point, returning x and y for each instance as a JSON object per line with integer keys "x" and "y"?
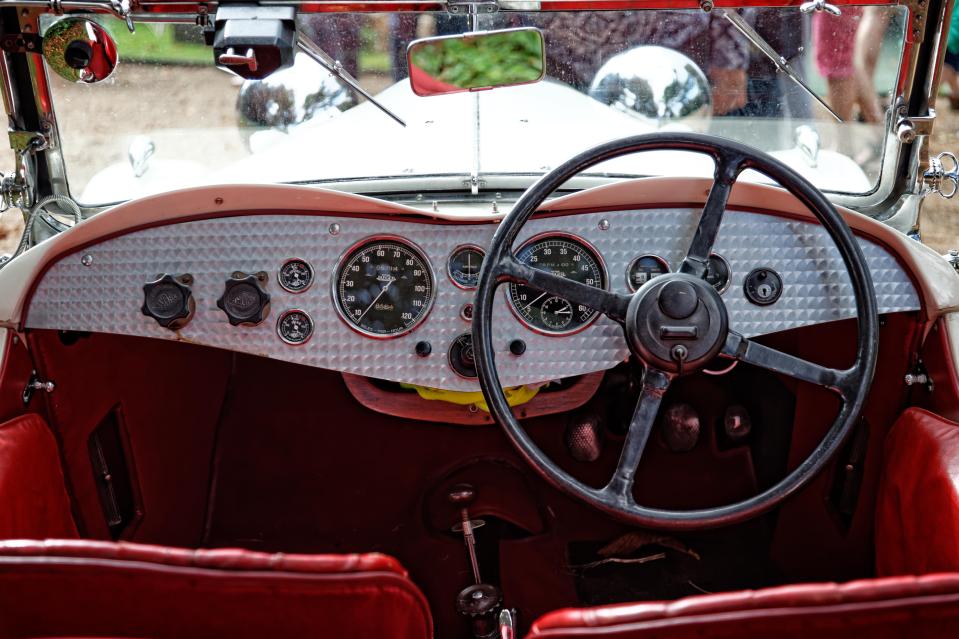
{"x": 563, "y": 255}
{"x": 383, "y": 287}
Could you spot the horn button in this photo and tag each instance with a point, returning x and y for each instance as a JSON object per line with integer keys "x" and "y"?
{"x": 677, "y": 323}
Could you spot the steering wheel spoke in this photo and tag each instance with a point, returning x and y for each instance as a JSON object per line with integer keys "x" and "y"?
{"x": 728, "y": 168}
{"x": 613, "y": 305}
{"x": 771, "y": 359}
{"x": 655, "y": 384}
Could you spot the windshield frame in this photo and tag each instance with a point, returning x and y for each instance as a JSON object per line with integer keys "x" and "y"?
{"x": 25, "y": 83}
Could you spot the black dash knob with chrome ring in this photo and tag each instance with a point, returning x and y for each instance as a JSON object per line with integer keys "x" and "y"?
{"x": 169, "y": 300}
{"x": 244, "y": 300}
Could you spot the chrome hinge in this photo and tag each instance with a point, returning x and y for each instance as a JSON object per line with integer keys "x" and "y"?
{"x": 36, "y": 384}
{"x": 939, "y": 179}
{"x": 820, "y": 5}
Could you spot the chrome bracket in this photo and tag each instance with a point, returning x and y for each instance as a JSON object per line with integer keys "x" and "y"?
{"x": 820, "y": 5}
{"x": 36, "y": 384}
{"x": 18, "y": 190}
{"x": 942, "y": 177}
{"x": 911, "y": 127}
{"x": 471, "y": 7}
{"x": 21, "y": 43}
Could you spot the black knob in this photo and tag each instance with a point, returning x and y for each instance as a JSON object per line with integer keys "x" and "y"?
{"x": 424, "y": 348}
{"x": 517, "y": 347}
{"x": 461, "y": 495}
{"x": 478, "y": 600}
{"x": 169, "y": 301}
{"x": 244, "y": 301}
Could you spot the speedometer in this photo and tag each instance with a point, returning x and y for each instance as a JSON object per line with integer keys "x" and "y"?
{"x": 563, "y": 255}
{"x": 383, "y": 287}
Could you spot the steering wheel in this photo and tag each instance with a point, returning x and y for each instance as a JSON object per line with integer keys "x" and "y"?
{"x": 675, "y": 324}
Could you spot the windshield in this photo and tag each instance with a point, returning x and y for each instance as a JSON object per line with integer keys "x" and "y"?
{"x": 168, "y": 118}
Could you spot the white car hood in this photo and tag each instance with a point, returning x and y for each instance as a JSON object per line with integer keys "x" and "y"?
{"x": 523, "y": 130}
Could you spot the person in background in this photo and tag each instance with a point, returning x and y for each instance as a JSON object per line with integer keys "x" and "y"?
{"x": 950, "y": 66}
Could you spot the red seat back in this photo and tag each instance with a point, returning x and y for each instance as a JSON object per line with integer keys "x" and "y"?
{"x": 33, "y": 499}
{"x": 91, "y": 588}
{"x": 901, "y": 607}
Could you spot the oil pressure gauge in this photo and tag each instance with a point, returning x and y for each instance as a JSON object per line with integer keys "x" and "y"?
{"x": 294, "y": 327}
{"x": 295, "y": 275}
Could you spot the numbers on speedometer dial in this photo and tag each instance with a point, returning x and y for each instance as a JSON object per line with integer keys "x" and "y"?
{"x": 561, "y": 255}
{"x": 383, "y": 287}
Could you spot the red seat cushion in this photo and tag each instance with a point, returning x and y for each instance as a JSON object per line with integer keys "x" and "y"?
{"x": 33, "y": 499}
{"x": 83, "y": 588}
{"x": 926, "y": 606}
{"x": 917, "y": 513}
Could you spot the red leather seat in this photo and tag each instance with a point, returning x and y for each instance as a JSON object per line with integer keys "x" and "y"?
{"x": 913, "y": 607}
{"x": 63, "y": 588}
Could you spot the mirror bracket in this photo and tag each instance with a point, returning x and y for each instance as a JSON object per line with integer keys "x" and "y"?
{"x": 21, "y": 43}
{"x": 471, "y": 7}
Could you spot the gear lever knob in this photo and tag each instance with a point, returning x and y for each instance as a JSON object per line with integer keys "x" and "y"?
{"x": 462, "y": 495}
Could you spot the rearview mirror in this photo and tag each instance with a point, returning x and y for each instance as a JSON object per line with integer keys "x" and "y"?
{"x": 79, "y": 50}
{"x": 476, "y": 61}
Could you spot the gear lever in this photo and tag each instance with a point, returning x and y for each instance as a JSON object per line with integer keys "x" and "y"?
{"x": 480, "y": 602}
{"x": 462, "y": 495}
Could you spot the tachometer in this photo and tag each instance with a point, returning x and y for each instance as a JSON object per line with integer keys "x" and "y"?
{"x": 563, "y": 255}
{"x": 384, "y": 287}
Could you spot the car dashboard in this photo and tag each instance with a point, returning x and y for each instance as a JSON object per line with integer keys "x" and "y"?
{"x": 389, "y": 296}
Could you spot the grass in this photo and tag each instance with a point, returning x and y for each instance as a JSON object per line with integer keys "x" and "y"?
{"x": 156, "y": 44}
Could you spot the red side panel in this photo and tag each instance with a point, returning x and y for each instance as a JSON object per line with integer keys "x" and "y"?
{"x": 898, "y": 607}
{"x": 917, "y": 516}
{"x": 33, "y": 499}
{"x": 84, "y": 588}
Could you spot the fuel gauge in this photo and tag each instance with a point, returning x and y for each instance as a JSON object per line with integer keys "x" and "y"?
{"x": 464, "y": 265}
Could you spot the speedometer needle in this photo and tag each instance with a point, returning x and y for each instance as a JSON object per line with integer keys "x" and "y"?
{"x": 375, "y": 300}
{"x": 526, "y": 308}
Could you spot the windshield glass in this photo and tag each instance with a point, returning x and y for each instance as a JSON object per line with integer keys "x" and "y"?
{"x": 168, "y": 118}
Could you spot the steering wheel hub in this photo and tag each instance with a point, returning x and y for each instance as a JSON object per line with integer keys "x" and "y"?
{"x": 677, "y": 323}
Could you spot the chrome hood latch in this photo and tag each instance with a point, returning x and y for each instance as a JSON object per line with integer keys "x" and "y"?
{"x": 942, "y": 176}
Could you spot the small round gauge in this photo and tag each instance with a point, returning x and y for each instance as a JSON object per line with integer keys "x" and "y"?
{"x": 295, "y": 275}
{"x": 717, "y": 272}
{"x": 383, "y": 287}
{"x": 464, "y": 265}
{"x": 644, "y": 268}
{"x": 294, "y": 327}
{"x": 562, "y": 255}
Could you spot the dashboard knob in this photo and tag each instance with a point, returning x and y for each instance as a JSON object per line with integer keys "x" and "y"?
{"x": 169, "y": 300}
{"x": 244, "y": 301}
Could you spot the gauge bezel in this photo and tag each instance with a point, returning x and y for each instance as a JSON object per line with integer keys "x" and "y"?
{"x": 729, "y": 270}
{"x": 449, "y": 260}
{"x": 599, "y": 260}
{"x": 290, "y": 311}
{"x": 340, "y": 262}
{"x": 279, "y": 275}
{"x": 629, "y": 268}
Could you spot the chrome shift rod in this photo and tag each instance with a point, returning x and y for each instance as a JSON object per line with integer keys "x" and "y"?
{"x": 462, "y": 495}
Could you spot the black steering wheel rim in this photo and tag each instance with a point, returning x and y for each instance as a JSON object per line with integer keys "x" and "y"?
{"x": 731, "y": 159}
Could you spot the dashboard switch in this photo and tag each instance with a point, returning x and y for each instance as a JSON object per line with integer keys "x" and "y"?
{"x": 244, "y": 300}
{"x": 169, "y": 300}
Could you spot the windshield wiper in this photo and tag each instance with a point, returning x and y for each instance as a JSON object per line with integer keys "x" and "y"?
{"x": 313, "y": 50}
{"x": 781, "y": 63}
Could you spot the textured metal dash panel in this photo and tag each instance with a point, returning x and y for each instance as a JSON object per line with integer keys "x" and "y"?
{"x": 107, "y": 295}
